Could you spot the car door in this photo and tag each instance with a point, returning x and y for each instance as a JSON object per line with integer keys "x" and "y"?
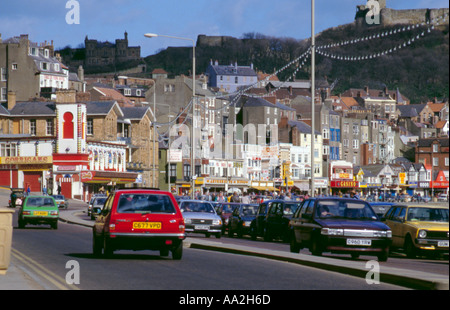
{"x": 295, "y": 223}
{"x": 234, "y": 219}
{"x": 99, "y": 225}
{"x": 395, "y": 222}
{"x": 306, "y": 221}
{"x": 261, "y": 217}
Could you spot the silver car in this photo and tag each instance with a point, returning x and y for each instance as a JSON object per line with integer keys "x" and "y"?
{"x": 200, "y": 217}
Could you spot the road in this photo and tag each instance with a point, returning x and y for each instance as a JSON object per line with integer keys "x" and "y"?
{"x": 47, "y": 252}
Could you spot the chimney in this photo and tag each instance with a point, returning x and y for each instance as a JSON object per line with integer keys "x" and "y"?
{"x": 366, "y": 89}
{"x": 66, "y": 96}
{"x": 11, "y": 99}
{"x": 81, "y": 73}
{"x": 83, "y": 97}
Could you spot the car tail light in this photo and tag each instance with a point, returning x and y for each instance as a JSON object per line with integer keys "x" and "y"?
{"x": 26, "y": 212}
{"x": 53, "y": 212}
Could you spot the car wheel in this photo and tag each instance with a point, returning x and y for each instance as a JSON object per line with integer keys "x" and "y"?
{"x": 96, "y": 246}
{"x": 294, "y": 247}
{"x": 218, "y": 235}
{"x": 177, "y": 252}
{"x": 267, "y": 236}
{"x": 383, "y": 257}
{"x": 230, "y": 232}
{"x": 410, "y": 249}
{"x": 22, "y": 223}
{"x": 315, "y": 248}
{"x": 108, "y": 251}
{"x": 54, "y": 225}
{"x": 164, "y": 252}
{"x": 253, "y": 232}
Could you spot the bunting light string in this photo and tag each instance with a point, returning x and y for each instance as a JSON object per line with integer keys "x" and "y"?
{"x": 406, "y": 43}
{"x": 433, "y": 22}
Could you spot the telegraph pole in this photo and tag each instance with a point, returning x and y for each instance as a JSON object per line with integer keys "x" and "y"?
{"x": 313, "y": 93}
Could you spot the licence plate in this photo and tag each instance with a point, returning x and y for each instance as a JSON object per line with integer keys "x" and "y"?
{"x": 40, "y": 213}
{"x": 201, "y": 227}
{"x": 147, "y": 225}
{"x": 359, "y": 242}
{"x": 443, "y": 244}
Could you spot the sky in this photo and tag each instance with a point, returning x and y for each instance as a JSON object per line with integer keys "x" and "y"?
{"x": 107, "y": 20}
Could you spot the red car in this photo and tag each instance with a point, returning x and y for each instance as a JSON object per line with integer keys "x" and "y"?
{"x": 139, "y": 219}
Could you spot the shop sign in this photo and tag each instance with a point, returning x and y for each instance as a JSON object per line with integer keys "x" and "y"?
{"x": 424, "y": 184}
{"x": 86, "y": 176}
{"x": 24, "y": 160}
{"x": 439, "y": 184}
{"x": 346, "y": 184}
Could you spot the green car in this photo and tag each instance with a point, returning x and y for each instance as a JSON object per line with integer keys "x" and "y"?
{"x": 39, "y": 210}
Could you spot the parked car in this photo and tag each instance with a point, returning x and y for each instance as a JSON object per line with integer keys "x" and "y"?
{"x": 139, "y": 219}
{"x": 241, "y": 219}
{"x": 200, "y": 217}
{"x": 90, "y": 203}
{"x": 61, "y": 201}
{"x": 419, "y": 229}
{"x": 97, "y": 206}
{"x": 381, "y": 208}
{"x": 277, "y": 219}
{"x": 442, "y": 197}
{"x": 38, "y": 210}
{"x": 17, "y": 195}
{"x": 339, "y": 225}
{"x": 224, "y": 210}
{"x": 258, "y": 225}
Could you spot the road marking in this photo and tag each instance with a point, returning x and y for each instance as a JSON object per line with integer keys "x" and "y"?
{"x": 50, "y": 276}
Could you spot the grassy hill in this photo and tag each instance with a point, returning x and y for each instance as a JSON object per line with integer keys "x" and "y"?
{"x": 420, "y": 70}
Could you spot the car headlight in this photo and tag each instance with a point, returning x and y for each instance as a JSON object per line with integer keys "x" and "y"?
{"x": 383, "y": 234}
{"x": 217, "y": 222}
{"x": 422, "y": 233}
{"x": 187, "y": 221}
{"x": 246, "y": 224}
{"x": 332, "y": 232}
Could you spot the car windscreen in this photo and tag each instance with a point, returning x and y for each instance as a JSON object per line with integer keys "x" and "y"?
{"x": 99, "y": 201}
{"x": 194, "y": 206}
{"x": 227, "y": 208}
{"x": 58, "y": 197}
{"x": 40, "y": 202}
{"x": 290, "y": 208}
{"x": 353, "y": 210}
{"x": 249, "y": 209}
{"x": 145, "y": 203}
{"x": 427, "y": 215}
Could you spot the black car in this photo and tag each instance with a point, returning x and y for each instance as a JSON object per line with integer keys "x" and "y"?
{"x": 224, "y": 210}
{"x": 258, "y": 225}
{"x": 240, "y": 220}
{"x": 339, "y": 225}
{"x": 277, "y": 219}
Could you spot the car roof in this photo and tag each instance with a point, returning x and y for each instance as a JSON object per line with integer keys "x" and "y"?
{"x": 424, "y": 206}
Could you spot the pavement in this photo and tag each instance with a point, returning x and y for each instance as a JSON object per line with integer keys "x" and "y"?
{"x": 19, "y": 277}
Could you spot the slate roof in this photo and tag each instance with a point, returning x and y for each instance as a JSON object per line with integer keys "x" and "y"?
{"x": 407, "y": 110}
{"x": 33, "y": 108}
{"x": 134, "y": 113}
{"x": 233, "y": 70}
{"x": 302, "y": 127}
{"x": 100, "y": 107}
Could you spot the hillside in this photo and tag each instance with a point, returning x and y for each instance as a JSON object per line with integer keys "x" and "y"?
{"x": 420, "y": 70}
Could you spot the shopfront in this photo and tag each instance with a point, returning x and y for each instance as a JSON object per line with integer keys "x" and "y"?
{"x": 105, "y": 181}
{"x": 343, "y": 187}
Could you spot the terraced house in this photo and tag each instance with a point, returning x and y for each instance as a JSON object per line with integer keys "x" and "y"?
{"x": 75, "y": 145}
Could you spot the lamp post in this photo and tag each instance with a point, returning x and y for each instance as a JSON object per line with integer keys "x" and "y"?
{"x": 313, "y": 92}
{"x": 154, "y": 35}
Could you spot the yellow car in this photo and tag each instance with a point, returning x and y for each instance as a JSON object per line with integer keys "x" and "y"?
{"x": 419, "y": 229}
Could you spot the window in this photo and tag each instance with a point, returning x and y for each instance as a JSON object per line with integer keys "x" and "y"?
{"x": 3, "y": 94}
{"x": 33, "y": 127}
{"x": 49, "y": 128}
{"x": 446, "y": 161}
{"x": 90, "y": 126}
{"x": 187, "y": 171}
{"x": 173, "y": 170}
{"x": 56, "y": 67}
{"x": 44, "y": 66}
{"x": 8, "y": 149}
{"x": 355, "y": 144}
{"x": 14, "y": 67}
{"x": 236, "y": 80}
{"x": 435, "y": 162}
{"x": 4, "y": 75}
{"x": 435, "y": 148}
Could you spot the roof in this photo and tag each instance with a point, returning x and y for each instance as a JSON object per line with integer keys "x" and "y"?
{"x": 102, "y": 107}
{"x": 233, "y": 70}
{"x": 33, "y": 108}
{"x": 407, "y": 110}
{"x": 134, "y": 113}
{"x": 440, "y": 124}
{"x": 302, "y": 127}
{"x": 110, "y": 92}
{"x": 444, "y": 142}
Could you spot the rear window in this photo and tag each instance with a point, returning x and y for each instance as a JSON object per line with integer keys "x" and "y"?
{"x": 40, "y": 202}
{"x": 145, "y": 203}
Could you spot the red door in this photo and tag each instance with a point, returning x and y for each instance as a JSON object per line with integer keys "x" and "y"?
{"x": 31, "y": 178}
{"x": 66, "y": 187}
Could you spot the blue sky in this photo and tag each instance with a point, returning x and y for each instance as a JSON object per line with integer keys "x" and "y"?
{"x": 106, "y": 20}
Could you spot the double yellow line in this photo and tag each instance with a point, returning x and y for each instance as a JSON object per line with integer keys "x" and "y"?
{"x": 43, "y": 272}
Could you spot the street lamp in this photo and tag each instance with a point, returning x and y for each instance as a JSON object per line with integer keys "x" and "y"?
{"x": 154, "y": 35}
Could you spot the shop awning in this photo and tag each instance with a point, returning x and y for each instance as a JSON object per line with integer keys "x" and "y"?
{"x": 105, "y": 177}
{"x": 264, "y": 188}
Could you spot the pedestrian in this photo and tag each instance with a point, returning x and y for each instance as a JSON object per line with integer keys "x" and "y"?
{"x": 59, "y": 189}
{"x": 44, "y": 190}
{"x": 28, "y": 190}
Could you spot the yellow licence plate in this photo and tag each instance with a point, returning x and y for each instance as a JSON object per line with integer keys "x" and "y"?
{"x": 147, "y": 225}
{"x": 40, "y": 213}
